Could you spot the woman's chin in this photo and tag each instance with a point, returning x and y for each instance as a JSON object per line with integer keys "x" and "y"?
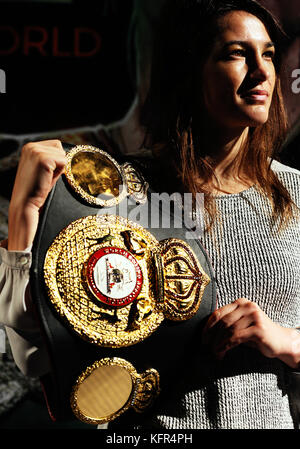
{"x": 257, "y": 116}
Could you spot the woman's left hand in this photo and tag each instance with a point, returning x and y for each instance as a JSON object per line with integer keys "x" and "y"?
{"x": 244, "y": 322}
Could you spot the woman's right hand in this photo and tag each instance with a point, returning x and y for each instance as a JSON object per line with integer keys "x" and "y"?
{"x": 40, "y": 166}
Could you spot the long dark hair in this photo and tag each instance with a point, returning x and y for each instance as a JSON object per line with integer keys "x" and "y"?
{"x": 185, "y": 37}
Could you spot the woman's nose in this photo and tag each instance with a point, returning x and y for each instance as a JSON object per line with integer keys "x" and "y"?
{"x": 260, "y": 69}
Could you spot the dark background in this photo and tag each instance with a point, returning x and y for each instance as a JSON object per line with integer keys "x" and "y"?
{"x": 68, "y": 65}
{"x": 55, "y": 81}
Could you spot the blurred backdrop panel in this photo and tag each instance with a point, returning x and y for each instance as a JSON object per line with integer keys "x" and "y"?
{"x": 289, "y": 15}
{"x": 66, "y": 63}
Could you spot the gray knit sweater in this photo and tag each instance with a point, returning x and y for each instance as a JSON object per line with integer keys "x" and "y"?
{"x": 246, "y": 390}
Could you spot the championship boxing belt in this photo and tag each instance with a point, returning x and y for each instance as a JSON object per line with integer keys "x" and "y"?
{"x": 121, "y": 305}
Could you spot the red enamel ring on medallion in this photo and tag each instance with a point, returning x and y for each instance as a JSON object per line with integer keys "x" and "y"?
{"x": 114, "y": 276}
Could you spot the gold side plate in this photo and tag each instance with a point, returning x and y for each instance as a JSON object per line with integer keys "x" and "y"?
{"x": 100, "y": 180}
{"x": 109, "y": 387}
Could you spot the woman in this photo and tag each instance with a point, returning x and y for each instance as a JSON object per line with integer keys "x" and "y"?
{"x": 214, "y": 119}
{"x": 215, "y": 105}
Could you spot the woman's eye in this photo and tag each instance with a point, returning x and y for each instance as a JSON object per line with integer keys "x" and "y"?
{"x": 269, "y": 55}
{"x": 240, "y": 52}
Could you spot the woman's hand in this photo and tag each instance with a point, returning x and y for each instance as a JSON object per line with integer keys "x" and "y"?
{"x": 40, "y": 166}
{"x": 244, "y": 322}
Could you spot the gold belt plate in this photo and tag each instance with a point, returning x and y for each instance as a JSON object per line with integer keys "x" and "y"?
{"x": 114, "y": 282}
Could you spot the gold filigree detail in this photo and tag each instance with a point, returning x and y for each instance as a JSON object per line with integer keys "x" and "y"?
{"x": 148, "y": 389}
{"x": 184, "y": 280}
{"x": 136, "y": 184}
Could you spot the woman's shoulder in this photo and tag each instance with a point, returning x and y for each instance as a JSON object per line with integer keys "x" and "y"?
{"x": 278, "y": 167}
{"x": 290, "y": 178}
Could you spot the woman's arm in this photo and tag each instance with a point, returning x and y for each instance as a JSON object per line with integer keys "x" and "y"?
{"x": 244, "y": 322}
{"x": 40, "y": 166}
{"x": 17, "y": 315}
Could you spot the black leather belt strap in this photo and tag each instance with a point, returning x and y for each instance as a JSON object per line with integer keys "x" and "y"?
{"x": 171, "y": 344}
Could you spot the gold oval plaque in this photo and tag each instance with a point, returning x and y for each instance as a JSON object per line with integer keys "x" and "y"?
{"x": 99, "y": 180}
{"x": 95, "y": 176}
{"x": 109, "y": 387}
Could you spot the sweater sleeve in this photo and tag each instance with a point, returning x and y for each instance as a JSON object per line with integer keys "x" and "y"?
{"x": 17, "y": 315}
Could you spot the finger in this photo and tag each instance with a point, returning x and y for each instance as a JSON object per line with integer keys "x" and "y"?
{"x": 230, "y": 334}
{"x": 247, "y": 314}
{"x": 250, "y": 336}
{"x": 219, "y": 314}
{"x": 45, "y": 170}
{"x": 33, "y": 150}
{"x": 47, "y": 165}
{"x": 227, "y": 327}
{"x": 227, "y": 330}
{"x": 60, "y": 169}
{"x": 52, "y": 143}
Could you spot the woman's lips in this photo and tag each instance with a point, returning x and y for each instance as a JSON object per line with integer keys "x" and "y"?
{"x": 256, "y": 95}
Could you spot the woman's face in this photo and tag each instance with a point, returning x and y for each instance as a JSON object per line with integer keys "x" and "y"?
{"x": 239, "y": 75}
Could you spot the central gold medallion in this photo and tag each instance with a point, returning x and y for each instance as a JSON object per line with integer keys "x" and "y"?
{"x": 100, "y": 277}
